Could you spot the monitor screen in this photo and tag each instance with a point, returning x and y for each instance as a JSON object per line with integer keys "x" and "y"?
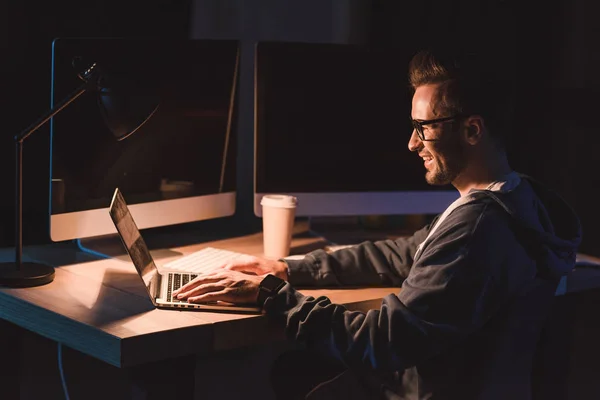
{"x": 177, "y": 167}
{"x": 332, "y": 124}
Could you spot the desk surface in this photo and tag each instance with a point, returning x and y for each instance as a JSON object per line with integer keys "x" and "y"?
{"x": 100, "y": 307}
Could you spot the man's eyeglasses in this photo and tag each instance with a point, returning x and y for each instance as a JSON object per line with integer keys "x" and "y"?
{"x": 419, "y": 124}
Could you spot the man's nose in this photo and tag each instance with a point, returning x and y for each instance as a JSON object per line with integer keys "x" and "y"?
{"x": 414, "y": 143}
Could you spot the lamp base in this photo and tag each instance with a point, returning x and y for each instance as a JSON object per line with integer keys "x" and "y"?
{"x": 28, "y": 275}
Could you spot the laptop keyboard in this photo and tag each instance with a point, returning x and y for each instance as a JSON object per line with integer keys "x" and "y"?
{"x": 199, "y": 262}
{"x": 175, "y": 281}
{"x": 202, "y": 261}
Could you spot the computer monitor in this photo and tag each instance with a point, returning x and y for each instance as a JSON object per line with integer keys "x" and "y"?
{"x": 332, "y": 128}
{"x": 178, "y": 167}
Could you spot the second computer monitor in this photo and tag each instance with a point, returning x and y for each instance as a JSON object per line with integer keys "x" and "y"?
{"x": 332, "y": 124}
{"x": 178, "y": 167}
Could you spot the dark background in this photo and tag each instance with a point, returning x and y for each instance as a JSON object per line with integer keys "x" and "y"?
{"x": 554, "y": 49}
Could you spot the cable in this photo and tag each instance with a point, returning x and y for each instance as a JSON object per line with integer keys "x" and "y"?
{"x": 62, "y": 374}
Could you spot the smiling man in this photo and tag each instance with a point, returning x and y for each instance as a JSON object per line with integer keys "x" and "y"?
{"x": 476, "y": 283}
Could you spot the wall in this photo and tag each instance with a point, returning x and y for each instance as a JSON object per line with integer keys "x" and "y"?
{"x": 554, "y": 139}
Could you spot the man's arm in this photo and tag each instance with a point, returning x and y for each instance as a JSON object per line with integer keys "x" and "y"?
{"x": 381, "y": 263}
{"x": 463, "y": 277}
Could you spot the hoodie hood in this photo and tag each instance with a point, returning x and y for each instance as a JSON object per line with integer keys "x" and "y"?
{"x": 545, "y": 222}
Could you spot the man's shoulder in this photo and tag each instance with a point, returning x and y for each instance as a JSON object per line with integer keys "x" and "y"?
{"x": 481, "y": 209}
{"x": 483, "y": 221}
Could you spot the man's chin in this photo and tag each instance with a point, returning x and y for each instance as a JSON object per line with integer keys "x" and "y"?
{"x": 436, "y": 179}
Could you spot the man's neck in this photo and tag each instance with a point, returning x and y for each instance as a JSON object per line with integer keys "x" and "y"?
{"x": 481, "y": 175}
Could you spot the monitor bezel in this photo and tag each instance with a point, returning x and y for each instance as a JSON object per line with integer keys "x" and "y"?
{"x": 365, "y": 203}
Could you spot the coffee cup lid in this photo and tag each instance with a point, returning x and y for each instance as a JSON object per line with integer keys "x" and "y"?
{"x": 279, "y": 200}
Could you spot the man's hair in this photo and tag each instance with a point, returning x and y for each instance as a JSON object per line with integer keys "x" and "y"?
{"x": 470, "y": 84}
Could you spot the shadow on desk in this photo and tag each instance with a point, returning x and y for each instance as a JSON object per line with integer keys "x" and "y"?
{"x": 304, "y": 248}
{"x": 123, "y": 281}
{"x": 109, "y": 303}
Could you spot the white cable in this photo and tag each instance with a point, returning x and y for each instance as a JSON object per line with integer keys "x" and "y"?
{"x": 62, "y": 374}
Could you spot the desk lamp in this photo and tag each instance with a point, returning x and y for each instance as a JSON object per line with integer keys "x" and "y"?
{"x": 123, "y": 115}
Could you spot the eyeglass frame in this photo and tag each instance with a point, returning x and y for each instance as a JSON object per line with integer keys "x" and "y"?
{"x": 418, "y": 125}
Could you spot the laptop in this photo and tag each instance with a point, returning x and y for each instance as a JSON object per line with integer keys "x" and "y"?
{"x": 159, "y": 284}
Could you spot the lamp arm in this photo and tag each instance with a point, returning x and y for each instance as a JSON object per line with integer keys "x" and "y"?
{"x": 19, "y": 164}
{"x": 55, "y": 110}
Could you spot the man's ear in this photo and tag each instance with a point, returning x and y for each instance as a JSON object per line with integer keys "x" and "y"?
{"x": 474, "y": 129}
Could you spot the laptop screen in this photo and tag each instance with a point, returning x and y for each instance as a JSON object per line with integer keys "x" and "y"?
{"x": 134, "y": 244}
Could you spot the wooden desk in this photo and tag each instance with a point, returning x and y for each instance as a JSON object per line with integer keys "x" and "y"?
{"x": 100, "y": 308}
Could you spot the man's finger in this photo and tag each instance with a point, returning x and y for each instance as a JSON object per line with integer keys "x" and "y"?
{"x": 210, "y": 297}
{"x": 200, "y": 280}
{"x": 200, "y": 289}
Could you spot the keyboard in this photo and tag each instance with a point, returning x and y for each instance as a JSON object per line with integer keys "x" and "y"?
{"x": 175, "y": 281}
{"x": 202, "y": 261}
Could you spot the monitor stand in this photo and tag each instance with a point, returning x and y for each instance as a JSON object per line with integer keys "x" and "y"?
{"x": 105, "y": 246}
{"x": 111, "y": 246}
{"x": 351, "y": 230}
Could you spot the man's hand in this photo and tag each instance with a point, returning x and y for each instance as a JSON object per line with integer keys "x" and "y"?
{"x": 222, "y": 285}
{"x": 236, "y": 282}
{"x": 259, "y": 266}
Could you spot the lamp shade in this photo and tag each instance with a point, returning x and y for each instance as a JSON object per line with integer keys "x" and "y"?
{"x": 125, "y": 105}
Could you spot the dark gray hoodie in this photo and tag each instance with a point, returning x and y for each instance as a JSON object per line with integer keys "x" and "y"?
{"x": 467, "y": 318}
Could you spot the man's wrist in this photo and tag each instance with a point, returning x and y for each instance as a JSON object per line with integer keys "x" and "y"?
{"x": 268, "y": 288}
{"x": 283, "y": 270}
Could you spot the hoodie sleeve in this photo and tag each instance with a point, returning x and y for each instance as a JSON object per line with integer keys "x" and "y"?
{"x": 451, "y": 291}
{"x": 381, "y": 263}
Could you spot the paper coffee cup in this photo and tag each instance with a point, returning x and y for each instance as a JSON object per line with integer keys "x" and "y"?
{"x": 278, "y": 212}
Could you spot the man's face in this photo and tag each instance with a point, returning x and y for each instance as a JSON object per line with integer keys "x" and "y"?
{"x": 445, "y": 157}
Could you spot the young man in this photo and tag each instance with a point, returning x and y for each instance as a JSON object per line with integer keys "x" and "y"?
{"x": 477, "y": 282}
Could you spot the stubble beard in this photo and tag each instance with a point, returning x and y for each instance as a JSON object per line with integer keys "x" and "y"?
{"x": 447, "y": 168}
